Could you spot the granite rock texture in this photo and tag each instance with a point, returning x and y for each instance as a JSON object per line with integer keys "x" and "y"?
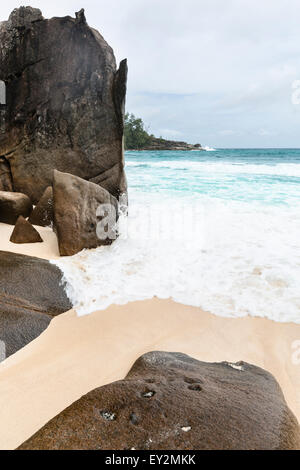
{"x": 76, "y": 203}
{"x": 5, "y": 176}
{"x": 42, "y": 214}
{"x": 12, "y": 205}
{"x": 31, "y": 293}
{"x": 24, "y": 232}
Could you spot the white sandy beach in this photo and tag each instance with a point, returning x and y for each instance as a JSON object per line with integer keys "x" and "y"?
{"x": 77, "y": 354}
{"x": 46, "y": 250}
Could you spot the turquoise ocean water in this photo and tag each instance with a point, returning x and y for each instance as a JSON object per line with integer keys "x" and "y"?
{"x": 215, "y": 229}
{"x": 267, "y": 176}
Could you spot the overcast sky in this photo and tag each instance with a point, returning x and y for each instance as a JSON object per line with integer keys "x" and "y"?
{"x": 210, "y": 71}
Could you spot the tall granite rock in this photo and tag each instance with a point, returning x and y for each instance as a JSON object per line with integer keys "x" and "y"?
{"x": 65, "y": 103}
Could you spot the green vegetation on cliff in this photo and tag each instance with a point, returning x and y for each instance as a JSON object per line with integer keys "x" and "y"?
{"x": 137, "y": 138}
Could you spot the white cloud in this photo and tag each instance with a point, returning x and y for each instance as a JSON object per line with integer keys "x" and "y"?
{"x": 170, "y": 133}
{"x": 265, "y": 132}
{"x": 227, "y": 132}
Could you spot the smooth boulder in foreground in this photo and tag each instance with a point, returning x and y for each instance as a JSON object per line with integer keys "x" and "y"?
{"x": 172, "y": 401}
{"x": 76, "y": 203}
{"x": 24, "y": 232}
{"x": 31, "y": 293}
{"x": 12, "y": 205}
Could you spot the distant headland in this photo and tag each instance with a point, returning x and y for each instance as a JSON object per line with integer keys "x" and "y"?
{"x": 137, "y": 138}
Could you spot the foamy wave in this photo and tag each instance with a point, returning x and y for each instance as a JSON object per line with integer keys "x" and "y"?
{"x": 281, "y": 169}
{"x": 243, "y": 260}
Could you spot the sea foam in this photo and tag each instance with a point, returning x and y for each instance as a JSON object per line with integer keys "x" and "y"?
{"x": 240, "y": 259}
{"x": 219, "y": 231}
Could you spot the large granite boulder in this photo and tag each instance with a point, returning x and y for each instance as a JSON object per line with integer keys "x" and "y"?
{"x": 17, "y": 329}
{"x": 31, "y": 293}
{"x": 24, "y": 232}
{"x": 64, "y": 102}
{"x": 172, "y": 401}
{"x": 42, "y": 214}
{"x": 12, "y": 205}
{"x": 76, "y": 216}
